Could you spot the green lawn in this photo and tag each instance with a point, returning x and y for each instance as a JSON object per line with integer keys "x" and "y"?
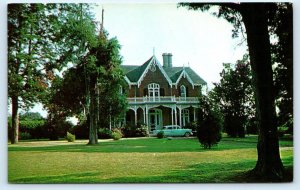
{"x": 144, "y": 160}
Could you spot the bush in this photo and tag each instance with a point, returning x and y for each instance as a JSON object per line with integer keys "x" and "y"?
{"x": 57, "y": 128}
{"x": 24, "y": 136}
{"x": 142, "y": 131}
{"x": 81, "y": 130}
{"x": 36, "y": 128}
{"x": 139, "y": 130}
{"x": 210, "y": 123}
{"x": 70, "y": 137}
{"x": 104, "y": 133}
{"x": 160, "y": 135}
{"x": 116, "y": 134}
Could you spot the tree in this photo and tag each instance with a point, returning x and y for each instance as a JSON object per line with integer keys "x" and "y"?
{"x": 39, "y": 44}
{"x": 235, "y": 97}
{"x": 104, "y": 77}
{"x": 281, "y": 28}
{"x": 255, "y": 19}
{"x": 210, "y": 123}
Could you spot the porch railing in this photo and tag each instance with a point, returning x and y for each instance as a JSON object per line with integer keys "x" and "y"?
{"x": 166, "y": 99}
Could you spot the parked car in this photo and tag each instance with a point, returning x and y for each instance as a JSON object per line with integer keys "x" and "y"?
{"x": 174, "y": 131}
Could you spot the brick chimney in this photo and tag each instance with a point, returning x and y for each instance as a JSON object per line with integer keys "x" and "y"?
{"x": 167, "y": 60}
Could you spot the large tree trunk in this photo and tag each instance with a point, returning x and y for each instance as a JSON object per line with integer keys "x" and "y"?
{"x": 15, "y": 120}
{"x": 269, "y": 165}
{"x": 93, "y": 134}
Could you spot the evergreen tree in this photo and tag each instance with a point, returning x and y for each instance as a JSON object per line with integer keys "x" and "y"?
{"x": 210, "y": 123}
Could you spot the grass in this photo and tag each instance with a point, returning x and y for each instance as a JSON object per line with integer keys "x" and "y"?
{"x": 144, "y": 160}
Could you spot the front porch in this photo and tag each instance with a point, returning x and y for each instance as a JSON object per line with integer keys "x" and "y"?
{"x": 157, "y": 116}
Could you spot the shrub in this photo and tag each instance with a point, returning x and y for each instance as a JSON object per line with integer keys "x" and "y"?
{"x": 116, "y": 134}
{"x": 160, "y": 135}
{"x": 70, "y": 137}
{"x": 210, "y": 123}
{"x": 57, "y": 128}
{"x": 24, "y": 136}
{"x": 104, "y": 133}
{"x": 142, "y": 131}
{"x": 81, "y": 130}
{"x": 36, "y": 128}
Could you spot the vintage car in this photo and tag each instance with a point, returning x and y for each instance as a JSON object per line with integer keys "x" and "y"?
{"x": 174, "y": 131}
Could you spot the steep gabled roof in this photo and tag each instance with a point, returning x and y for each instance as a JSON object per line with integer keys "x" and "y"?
{"x": 175, "y": 72}
{"x": 135, "y": 73}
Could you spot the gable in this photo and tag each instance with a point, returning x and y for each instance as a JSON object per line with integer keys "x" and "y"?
{"x": 184, "y": 75}
{"x": 154, "y": 63}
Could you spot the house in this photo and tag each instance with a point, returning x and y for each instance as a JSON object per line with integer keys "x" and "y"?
{"x": 162, "y": 95}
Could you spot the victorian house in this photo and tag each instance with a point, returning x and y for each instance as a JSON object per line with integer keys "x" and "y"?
{"x": 162, "y": 95}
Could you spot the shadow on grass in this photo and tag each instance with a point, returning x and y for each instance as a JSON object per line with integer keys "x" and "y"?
{"x": 225, "y": 172}
{"x": 146, "y": 145}
{"x": 83, "y": 177}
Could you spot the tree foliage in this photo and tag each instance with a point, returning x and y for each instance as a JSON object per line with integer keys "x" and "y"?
{"x": 39, "y": 45}
{"x": 281, "y": 29}
{"x": 235, "y": 97}
{"x": 210, "y": 123}
{"x": 256, "y": 20}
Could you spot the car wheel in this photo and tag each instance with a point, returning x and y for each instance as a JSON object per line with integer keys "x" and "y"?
{"x": 186, "y": 134}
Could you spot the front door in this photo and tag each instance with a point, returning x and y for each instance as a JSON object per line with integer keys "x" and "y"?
{"x": 155, "y": 119}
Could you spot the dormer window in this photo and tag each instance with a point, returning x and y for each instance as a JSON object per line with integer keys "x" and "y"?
{"x": 153, "y": 91}
{"x": 182, "y": 91}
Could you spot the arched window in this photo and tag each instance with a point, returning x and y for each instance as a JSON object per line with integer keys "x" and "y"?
{"x": 182, "y": 91}
{"x": 153, "y": 91}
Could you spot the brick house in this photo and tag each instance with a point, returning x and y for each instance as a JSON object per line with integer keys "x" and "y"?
{"x": 162, "y": 95}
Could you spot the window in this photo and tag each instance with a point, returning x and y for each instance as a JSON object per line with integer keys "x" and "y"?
{"x": 153, "y": 91}
{"x": 182, "y": 91}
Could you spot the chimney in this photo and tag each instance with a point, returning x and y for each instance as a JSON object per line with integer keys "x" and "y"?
{"x": 167, "y": 60}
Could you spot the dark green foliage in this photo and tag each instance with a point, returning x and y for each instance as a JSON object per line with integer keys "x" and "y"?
{"x": 81, "y": 130}
{"x": 104, "y": 133}
{"x": 210, "y": 123}
{"x": 31, "y": 116}
{"x": 116, "y": 134}
{"x": 57, "y": 128}
{"x": 193, "y": 126}
{"x": 36, "y": 128}
{"x": 40, "y": 42}
{"x": 140, "y": 130}
{"x": 281, "y": 27}
{"x": 31, "y": 126}
{"x": 235, "y": 97}
{"x": 70, "y": 137}
{"x": 24, "y": 136}
{"x": 160, "y": 135}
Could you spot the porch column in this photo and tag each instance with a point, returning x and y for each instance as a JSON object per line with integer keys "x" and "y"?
{"x": 172, "y": 115}
{"x": 194, "y": 114}
{"x": 175, "y": 116}
{"x": 144, "y": 115}
{"x": 135, "y": 116}
{"x": 180, "y": 117}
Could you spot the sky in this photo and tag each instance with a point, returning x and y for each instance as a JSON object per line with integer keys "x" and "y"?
{"x": 196, "y": 39}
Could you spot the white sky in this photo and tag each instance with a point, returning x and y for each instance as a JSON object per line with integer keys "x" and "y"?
{"x": 197, "y": 39}
{"x": 193, "y": 37}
